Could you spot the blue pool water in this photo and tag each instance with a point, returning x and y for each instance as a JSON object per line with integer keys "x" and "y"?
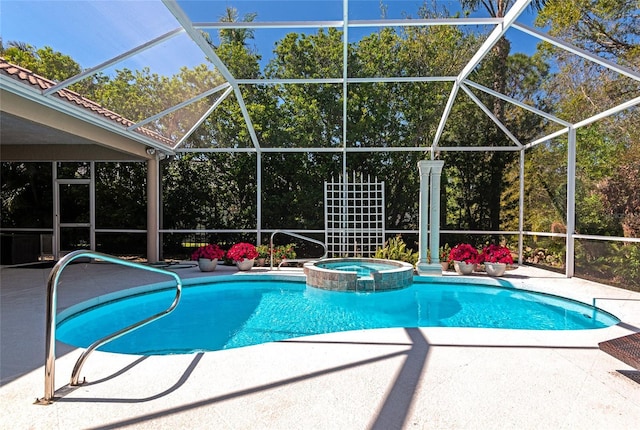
{"x": 231, "y": 312}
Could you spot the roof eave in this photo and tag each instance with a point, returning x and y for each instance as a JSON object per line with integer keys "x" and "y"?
{"x": 28, "y": 92}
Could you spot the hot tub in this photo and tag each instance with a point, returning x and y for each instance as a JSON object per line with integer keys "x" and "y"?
{"x": 358, "y": 274}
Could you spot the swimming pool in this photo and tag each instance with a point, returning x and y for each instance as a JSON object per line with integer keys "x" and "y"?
{"x": 232, "y": 311}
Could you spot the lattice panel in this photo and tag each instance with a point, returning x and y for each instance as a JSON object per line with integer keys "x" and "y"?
{"x": 354, "y": 217}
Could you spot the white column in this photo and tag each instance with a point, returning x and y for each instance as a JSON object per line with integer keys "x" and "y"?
{"x": 430, "y": 171}
{"x": 571, "y": 202}
{"x": 434, "y": 234}
{"x": 259, "y": 197}
{"x": 521, "y": 210}
{"x": 153, "y": 224}
{"x": 92, "y": 207}
{"x": 423, "y": 235}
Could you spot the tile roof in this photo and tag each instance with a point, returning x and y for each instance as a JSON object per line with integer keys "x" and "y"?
{"x": 28, "y": 77}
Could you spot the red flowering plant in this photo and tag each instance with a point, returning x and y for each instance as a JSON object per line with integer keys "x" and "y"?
{"x": 496, "y": 254}
{"x": 242, "y": 250}
{"x": 464, "y": 252}
{"x": 211, "y": 251}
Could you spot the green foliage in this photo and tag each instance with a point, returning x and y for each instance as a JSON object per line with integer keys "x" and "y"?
{"x": 282, "y": 252}
{"x": 609, "y": 262}
{"x": 626, "y": 258}
{"x": 542, "y": 257}
{"x": 444, "y": 252}
{"x": 607, "y": 168}
{"x": 121, "y": 195}
{"x": 379, "y": 115}
{"x": 27, "y": 195}
{"x": 396, "y": 249}
{"x": 236, "y": 35}
{"x": 621, "y": 195}
{"x": 263, "y": 251}
{"x": 481, "y": 189}
{"x": 607, "y": 27}
{"x": 215, "y": 191}
{"x": 44, "y": 61}
{"x": 497, "y": 8}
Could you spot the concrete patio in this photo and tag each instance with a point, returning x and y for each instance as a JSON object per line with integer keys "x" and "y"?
{"x": 427, "y": 378}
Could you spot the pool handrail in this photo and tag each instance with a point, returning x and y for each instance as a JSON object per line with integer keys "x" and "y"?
{"x": 299, "y": 236}
{"x": 50, "y": 317}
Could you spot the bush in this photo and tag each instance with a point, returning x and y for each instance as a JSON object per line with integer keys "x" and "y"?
{"x": 396, "y": 249}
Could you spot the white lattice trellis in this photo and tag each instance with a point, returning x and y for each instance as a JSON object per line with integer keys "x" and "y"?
{"x": 354, "y": 217}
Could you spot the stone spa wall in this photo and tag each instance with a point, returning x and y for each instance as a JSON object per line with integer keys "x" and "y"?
{"x": 398, "y": 275}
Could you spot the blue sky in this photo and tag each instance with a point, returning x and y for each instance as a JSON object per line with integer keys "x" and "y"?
{"x": 94, "y": 31}
{"x": 89, "y": 31}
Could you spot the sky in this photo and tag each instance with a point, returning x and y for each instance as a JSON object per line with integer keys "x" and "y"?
{"x": 92, "y": 32}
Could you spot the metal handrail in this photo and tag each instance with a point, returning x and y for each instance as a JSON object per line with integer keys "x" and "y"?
{"x": 52, "y": 297}
{"x": 299, "y": 236}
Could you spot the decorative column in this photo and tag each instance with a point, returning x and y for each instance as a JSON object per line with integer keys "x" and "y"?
{"x": 429, "y": 234}
{"x": 434, "y": 234}
{"x": 153, "y": 194}
{"x": 424, "y": 168}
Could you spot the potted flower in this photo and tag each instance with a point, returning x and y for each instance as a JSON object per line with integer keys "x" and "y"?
{"x": 444, "y": 256}
{"x": 495, "y": 259}
{"x": 464, "y": 257}
{"x": 207, "y": 257}
{"x": 284, "y": 252}
{"x": 263, "y": 254}
{"x": 243, "y": 254}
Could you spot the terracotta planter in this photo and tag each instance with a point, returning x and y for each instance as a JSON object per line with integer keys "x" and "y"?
{"x": 463, "y": 268}
{"x": 245, "y": 264}
{"x": 207, "y": 264}
{"x": 445, "y": 265}
{"x": 495, "y": 269}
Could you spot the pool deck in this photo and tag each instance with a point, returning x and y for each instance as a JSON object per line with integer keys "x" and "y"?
{"x": 428, "y": 378}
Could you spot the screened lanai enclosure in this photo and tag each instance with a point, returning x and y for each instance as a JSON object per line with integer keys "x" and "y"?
{"x": 143, "y": 129}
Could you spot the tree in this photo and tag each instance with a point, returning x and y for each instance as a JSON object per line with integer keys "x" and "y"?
{"x": 497, "y": 63}
{"x": 473, "y": 190}
{"x": 605, "y": 150}
{"x": 27, "y": 195}
{"x": 400, "y": 114}
{"x": 44, "y": 61}
{"x": 236, "y": 35}
{"x": 604, "y": 27}
{"x": 621, "y": 196}
{"x": 497, "y": 9}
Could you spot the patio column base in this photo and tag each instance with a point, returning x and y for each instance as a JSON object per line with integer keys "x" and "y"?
{"x": 426, "y": 269}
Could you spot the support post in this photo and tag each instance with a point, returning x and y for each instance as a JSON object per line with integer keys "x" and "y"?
{"x": 153, "y": 194}
{"x": 424, "y": 168}
{"x": 259, "y": 198}
{"x": 434, "y": 235}
{"x": 429, "y": 233}
{"x": 571, "y": 202}
{"x": 521, "y": 210}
